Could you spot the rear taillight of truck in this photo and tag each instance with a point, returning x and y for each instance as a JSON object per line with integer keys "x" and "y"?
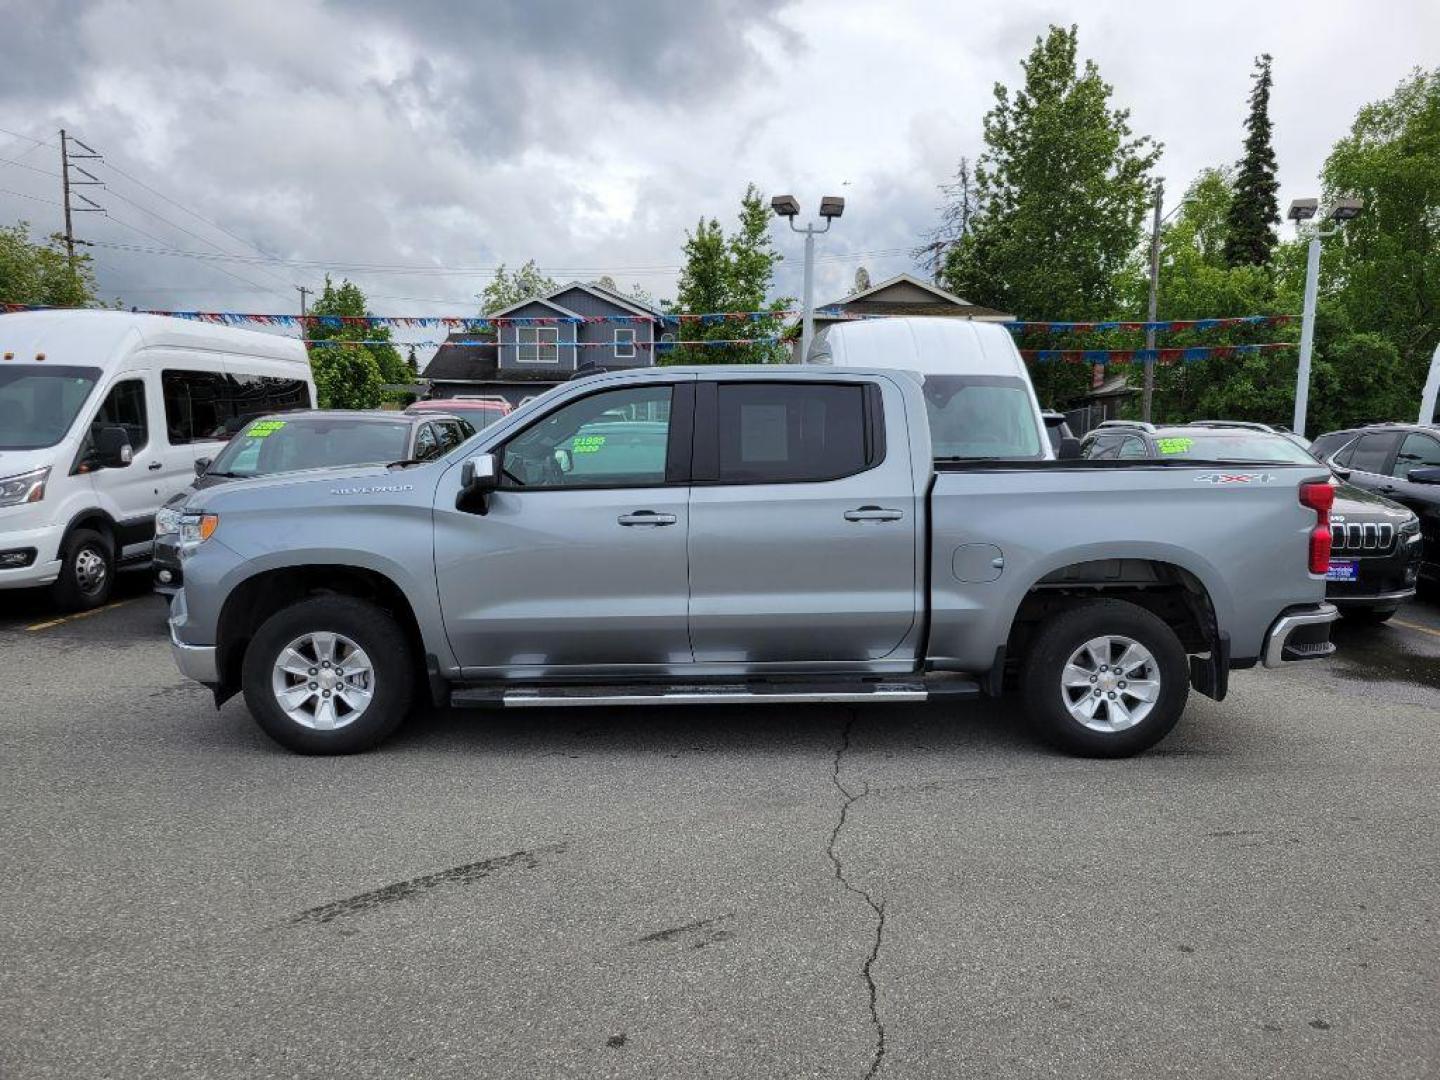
{"x": 1320, "y": 497}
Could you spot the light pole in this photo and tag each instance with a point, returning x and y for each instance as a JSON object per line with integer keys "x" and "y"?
{"x": 788, "y": 207}
{"x": 1301, "y": 211}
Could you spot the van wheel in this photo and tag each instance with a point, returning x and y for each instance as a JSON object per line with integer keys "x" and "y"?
{"x": 329, "y": 675}
{"x": 87, "y": 571}
{"x": 1105, "y": 678}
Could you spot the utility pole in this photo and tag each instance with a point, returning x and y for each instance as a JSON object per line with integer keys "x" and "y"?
{"x": 67, "y": 185}
{"x": 304, "y": 292}
{"x": 1154, "y": 296}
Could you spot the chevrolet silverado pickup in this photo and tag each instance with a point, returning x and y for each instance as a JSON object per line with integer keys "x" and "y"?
{"x": 782, "y": 534}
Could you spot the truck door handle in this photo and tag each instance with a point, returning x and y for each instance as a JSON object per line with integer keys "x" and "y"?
{"x": 646, "y": 517}
{"x": 155, "y": 466}
{"x": 873, "y": 513}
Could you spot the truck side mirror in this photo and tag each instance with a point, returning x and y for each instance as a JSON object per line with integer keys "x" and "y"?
{"x": 479, "y": 476}
{"x": 201, "y": 464}
{"x": 1428, "y": 475}
{"x": 112, "y": 447}
{"x": 1069, "y": 449}
{"x": 1339, "y": 470}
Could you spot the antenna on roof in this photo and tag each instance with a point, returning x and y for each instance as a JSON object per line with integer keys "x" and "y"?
{"x": 862, "y": 279}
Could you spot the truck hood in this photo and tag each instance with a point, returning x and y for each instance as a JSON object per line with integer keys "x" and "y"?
{"x": 315, "y": 486}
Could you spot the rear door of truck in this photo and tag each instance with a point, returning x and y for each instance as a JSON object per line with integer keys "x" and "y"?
{"x": 803, "y": 522}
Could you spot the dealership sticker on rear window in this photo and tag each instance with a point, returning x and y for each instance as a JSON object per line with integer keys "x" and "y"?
{"x": 264, "y": 428}
{"x": 1174, "y": 446}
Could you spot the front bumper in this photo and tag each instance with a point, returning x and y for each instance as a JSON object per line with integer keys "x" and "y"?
{"x": 1300, "y": 633}
{"x": 37, "y": 557}
{"x": 167, "y": 574}
{"x": 194, "y": 661}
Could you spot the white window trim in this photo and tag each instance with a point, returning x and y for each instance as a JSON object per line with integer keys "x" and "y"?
{"x": 630, "y": 351}
{"x": 541, "y": 339}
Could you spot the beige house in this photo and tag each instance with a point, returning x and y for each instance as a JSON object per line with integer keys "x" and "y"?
{"x": 901, "y": 295}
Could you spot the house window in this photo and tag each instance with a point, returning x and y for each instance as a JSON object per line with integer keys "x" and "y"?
{"x": 624, "y": 344}
{"x": 537, "y": 344}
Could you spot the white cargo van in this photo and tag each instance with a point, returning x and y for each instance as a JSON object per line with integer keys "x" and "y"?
{"x": 103, "y": 415}
{"x": 981, "y": 401}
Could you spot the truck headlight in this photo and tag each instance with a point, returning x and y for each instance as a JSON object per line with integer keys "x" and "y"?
{"x": 167, "y": 521}
{"x": 25, "y": 487}
{"x": 1410, "y": 530}
{"x": 195, "y": 529}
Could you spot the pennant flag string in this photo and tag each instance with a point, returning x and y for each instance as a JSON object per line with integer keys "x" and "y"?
{"x": 661, "y": 346}
{"x": 1147, "y": 356}
{"x": 476, "y": 323}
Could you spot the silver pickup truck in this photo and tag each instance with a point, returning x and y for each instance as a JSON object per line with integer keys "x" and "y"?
{"x": 757, "y": 534}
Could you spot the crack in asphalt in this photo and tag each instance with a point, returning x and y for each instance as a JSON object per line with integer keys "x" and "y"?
{"x": 850, "y": 798}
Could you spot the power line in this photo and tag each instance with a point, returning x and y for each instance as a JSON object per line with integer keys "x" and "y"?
{"x": 33, "y": 198}
{"x": 33, "y": 168}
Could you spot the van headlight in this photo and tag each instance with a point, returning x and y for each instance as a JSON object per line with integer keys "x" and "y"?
{"x": 25, "y": 487}
{"x": 167, "y": 521}
{"x": 195, "y": 529}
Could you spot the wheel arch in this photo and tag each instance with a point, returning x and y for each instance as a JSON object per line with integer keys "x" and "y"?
{"x": 259, "y": 596}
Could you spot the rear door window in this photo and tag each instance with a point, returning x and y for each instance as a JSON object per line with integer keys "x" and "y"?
{"x": 1370, "y": 453}
{"x": 784, "y": 433}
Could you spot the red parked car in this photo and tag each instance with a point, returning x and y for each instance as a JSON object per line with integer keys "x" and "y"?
{"x": 482, "y": 412}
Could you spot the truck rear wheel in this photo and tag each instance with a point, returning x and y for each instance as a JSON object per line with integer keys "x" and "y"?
{"x": 328, "y": 675}
{"x": 1105, "y": 678}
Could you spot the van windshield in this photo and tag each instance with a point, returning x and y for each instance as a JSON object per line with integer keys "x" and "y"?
{"x": 280, "y": 444}
{"x": 38, "y": 404}
{"x": 981, "y": 416}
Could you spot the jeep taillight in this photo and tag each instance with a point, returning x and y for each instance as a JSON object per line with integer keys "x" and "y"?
{"x": 1320, "y": 497}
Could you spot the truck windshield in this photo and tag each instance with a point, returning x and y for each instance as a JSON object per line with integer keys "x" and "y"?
{"x": 279, "y": 444}
{"x": 1236, "y": 445}
{"x": 38, "y": 404}
{"x": 981, "y": 416}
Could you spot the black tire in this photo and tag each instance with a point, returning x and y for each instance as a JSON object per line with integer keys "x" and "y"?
{"x": 87, "y": 571}
{"x": 1366, "y": 616}
{"x": 1058, "y": 639}
{"x": 367, "y": 626}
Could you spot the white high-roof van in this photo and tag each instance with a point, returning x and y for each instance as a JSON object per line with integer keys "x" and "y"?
{"x": 103, "y": 415}
{"x": 981, "y": 401}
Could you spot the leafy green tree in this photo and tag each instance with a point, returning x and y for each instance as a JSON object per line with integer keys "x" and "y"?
{"x": 636, "y": 292}
{"x": 1060, "y": 192}
{"x": 1383, "y": 272}
{"x": 1254, "y": 212}
{"x": 41, "y": 273}
{"x": 343, "y": 366}
{"x": 509, "y": 287}
{"x": 728, "y": 274}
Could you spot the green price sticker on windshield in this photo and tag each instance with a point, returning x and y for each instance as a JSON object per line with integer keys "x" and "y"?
{"x": 1174, "y": 446}
{"x": 588, "y": 444}
{"x": 265, "y": 428}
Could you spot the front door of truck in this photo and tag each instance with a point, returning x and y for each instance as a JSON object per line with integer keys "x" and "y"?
{"x": 579, "y": 560}
{"x": 803, "y": 519}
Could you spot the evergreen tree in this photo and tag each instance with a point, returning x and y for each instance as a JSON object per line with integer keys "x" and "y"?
{"x": 1254, "y": 211}
{"x": 1061, "y": 190}
{"x": 349, "y": 375}
{"x": 729, "y": 274}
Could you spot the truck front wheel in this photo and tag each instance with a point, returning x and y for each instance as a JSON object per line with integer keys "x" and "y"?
{"x": 1105, "y": 678}
{"x": 328, "y": 675}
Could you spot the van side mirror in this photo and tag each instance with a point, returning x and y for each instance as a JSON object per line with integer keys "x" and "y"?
{"x": 479, "y": 476}
{"x": 201, "y": 464}
{"x": 564, "y": 460}
{"x": 1428, "y": 475}
{"x": 112, "y": 447}
{"x": 1069, "y": 449}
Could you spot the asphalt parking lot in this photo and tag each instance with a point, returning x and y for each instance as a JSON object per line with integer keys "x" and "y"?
{"x": 713, "y": 892}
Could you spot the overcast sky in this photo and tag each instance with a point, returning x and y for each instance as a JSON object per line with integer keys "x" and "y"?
{"x": 455, "y": 135}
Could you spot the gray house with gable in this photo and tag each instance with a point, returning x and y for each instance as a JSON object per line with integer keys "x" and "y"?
{"x": 523, "y": 359}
